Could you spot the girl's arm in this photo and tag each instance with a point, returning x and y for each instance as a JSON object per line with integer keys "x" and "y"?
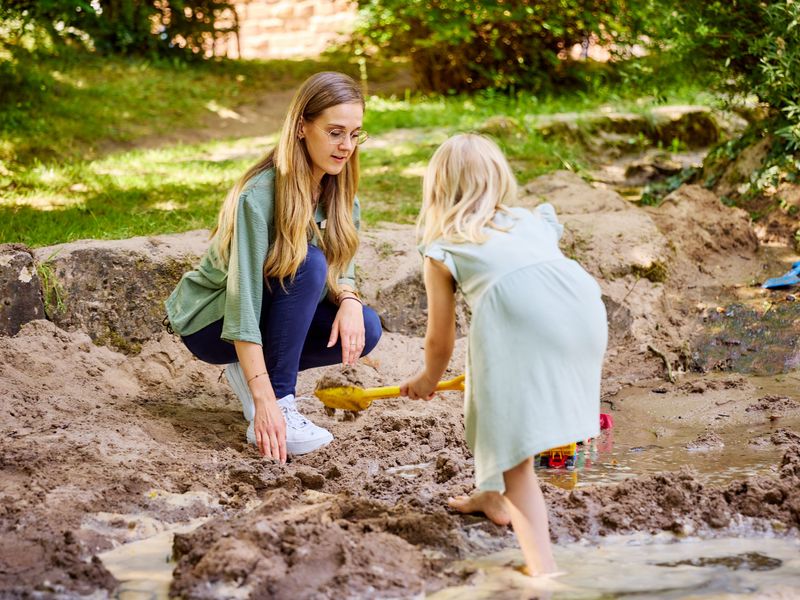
{"x": 440, "y": 335}
{"x": 269, "y": 424}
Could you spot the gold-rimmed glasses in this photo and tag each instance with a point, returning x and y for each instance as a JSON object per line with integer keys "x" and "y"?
{"x": 337, "y": 136}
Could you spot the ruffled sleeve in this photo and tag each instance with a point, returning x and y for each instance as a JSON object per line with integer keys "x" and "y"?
{"x": 548, "y": 213}
{"x": 436, "y": 252}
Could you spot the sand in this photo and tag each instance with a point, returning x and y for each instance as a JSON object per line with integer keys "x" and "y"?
{"x": 98, "y": 448}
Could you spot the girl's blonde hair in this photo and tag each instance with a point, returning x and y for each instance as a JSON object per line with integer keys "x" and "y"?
{"x": 294, "y": 189}
{"x": 466, "y": 182}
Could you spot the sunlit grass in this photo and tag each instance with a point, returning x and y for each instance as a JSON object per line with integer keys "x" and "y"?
{"x": 142, "y": 192}
{"x": 469, "y": 112}
{"x": 78, "y": 102}
{"x": 56, "y": 184}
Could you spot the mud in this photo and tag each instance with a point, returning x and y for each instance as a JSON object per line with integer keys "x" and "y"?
{"x": 772, "y": 403}
{"x": 359, "y": 375}
{"x": 98, "y": 448}
{"x": 678, "y": 502}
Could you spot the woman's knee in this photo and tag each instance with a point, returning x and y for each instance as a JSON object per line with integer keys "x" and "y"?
{"x": 372, "y": 329}
{"x": 315, "y": 265}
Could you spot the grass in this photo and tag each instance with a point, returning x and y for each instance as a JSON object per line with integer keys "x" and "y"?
{"x": 56, "y": 185}
{"x": 71, "y": 106}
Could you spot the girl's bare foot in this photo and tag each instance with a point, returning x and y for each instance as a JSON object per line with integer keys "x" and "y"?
{"x": 492, "y": 504}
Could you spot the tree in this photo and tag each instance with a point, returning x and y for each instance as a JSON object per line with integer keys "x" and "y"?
{"x": 473, "y": 44}
{"x": 752, "y": 47}
{"x": 129, "y": 27}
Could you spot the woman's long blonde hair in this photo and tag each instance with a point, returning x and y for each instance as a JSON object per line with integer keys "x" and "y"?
{"x": 294, "y": 189}
{"x": 467, "y": 180}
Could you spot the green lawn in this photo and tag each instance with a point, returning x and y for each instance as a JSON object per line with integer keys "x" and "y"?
{"x": 56, "y": 186}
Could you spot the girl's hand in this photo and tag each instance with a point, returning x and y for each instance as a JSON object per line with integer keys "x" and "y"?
{"x": 420, "y": 387}
{"x": 349, "y": 328}
{"x": 270, "y": 429}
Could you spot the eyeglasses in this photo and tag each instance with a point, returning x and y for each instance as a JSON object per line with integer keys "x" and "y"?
{"x": 337, "y": 136}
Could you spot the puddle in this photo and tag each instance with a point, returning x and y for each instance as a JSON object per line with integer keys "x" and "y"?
{"x": 409, "y": 471}
{"x": 639, "y": 567}
{"x": 656, "y": 432}
{"x": 759, "y": 337}
{"x": 144, "y": 568}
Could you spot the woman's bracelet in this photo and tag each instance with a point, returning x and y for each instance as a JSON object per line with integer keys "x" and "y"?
{"x": 343, "y": 292}
{"x": 255, "y": 377}
{"x": 350, "y": 298}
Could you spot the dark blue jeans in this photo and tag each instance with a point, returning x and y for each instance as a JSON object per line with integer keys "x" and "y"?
{"x": 295, "y": 328}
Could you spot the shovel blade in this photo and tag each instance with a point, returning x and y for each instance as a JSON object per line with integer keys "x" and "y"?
{"x": 344, "y": 398}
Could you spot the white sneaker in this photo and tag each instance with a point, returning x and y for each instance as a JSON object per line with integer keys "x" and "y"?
{"x": 302, "y": 436}
{"x": 235, "y": 376}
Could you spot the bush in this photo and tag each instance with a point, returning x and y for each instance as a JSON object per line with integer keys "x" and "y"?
{"x": 464, "y": 45}
{"x": 185, "y": 28}
{"x": 752, "y": 47}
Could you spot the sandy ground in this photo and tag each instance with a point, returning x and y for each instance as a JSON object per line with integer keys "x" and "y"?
{"x": 98, "y": 449}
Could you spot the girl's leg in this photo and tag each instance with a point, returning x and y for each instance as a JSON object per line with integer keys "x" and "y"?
{"x": 315, "y": 350}
{"x": 529, "y": 517}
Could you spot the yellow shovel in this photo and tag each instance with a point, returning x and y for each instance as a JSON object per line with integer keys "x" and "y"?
{"x": 358, "y": 399}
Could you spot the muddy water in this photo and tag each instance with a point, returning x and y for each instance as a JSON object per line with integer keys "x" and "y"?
{"x": 642, "y": 567}
{"x": 656, "y": 429}
{"x": 755, "y": 333}
{"x": 144, "y": 568}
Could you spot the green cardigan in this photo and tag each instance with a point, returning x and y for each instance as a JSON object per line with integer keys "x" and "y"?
{"x": 233, "y": 291}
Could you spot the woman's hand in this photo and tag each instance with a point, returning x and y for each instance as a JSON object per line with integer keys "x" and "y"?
{"x": 420, "y": 387}
{"x": 348, "y": 326}
{"x": 270, "y": 430}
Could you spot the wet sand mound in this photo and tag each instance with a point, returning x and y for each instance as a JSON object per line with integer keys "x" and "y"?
{"x": 299, "y": 547}
{"x": 304, "y": 544}
{"x": 678, "y": 502}
{"x": 83, "y": 438}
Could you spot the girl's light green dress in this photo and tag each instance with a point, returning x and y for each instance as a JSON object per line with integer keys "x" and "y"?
{"x": 536, "y": 342}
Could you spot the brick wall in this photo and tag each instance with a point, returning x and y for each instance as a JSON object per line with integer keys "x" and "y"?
{"x": 288, "y": 28}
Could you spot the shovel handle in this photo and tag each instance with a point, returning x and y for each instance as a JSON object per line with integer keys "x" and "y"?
{"x": 392, "y": 391}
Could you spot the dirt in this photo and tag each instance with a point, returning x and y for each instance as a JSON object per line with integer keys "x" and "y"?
{"x": 358, "y": 375}
{"x": 98, "y": 448}
{"x": 772, "y": 403}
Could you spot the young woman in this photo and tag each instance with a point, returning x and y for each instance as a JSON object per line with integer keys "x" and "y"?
{"x": 275, "y": 292}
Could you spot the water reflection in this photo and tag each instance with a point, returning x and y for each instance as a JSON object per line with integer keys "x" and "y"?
{"x": 638, "y": 567}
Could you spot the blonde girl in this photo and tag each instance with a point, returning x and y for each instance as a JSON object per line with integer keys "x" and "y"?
{"x": 537, "y": 334}
{"x": 275, "y": 292}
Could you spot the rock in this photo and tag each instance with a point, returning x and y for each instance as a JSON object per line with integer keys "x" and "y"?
{"x": 570, "y": 195}
{"x": 620, "y": 319}
{"x": 114, "y": 290}
{"x": 310, "y": 478}
{"x": 610, "y": 237}
{"x": 729, "y": 175}
{"x": 701, "y": 227}
{"x": 20, "y": 289}
{"x": 651, "y": 168}
{"x": 390, "y": 279}
{"x": 500, "y": 126}
{"x": 693, "y": 126}
{"x": 707, "y": 440}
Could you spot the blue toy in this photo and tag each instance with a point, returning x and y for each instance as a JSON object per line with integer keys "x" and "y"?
{"x": 786, "y": 280}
